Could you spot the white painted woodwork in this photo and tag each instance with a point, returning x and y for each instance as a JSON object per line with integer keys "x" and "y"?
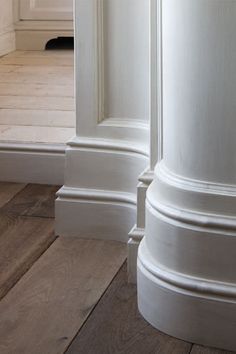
{"x": 7, "y": 34}
{"x": 46, "y": 10}
{"x": 155, "y": 139}
{"x": 111, "y": 148}
{"x": 38, "y": 21}
{"x": 186, "y": 262}
{"x": 32, "y": 162}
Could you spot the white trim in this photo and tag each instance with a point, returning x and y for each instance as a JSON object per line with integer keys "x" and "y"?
{"x": 97, "y": 214}
{"x": 200, "y": 286}
{"x": 107, "y": 144}
{"x": 32, "y": 163}
{"x": 96, "y": 195}
{"x": 207, "y": 306}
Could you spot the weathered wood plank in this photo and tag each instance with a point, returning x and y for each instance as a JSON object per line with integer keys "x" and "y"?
{"x": 36, "y": 90}
{"x": 48, "y": 61}
{"x": 36, "y": 134}
{"x": 45, "y": 309}
{"x": 8, "y": 191}
{"x": 22, "y": 241}
{"x": 41, "y": 103}
{"x": 197, "y": 349}
{"x": 35, "y": 200}
{"x": 41, "y": 53}
{"x": 43, "y": 118}
{"x": 116, "y": 326}
{"x": 38, "y": 78}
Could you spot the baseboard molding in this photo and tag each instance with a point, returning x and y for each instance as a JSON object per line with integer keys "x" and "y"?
{"x": 33, "y": 35}
{"x": 99, "y": 196}
{"x": 32, "y": 163}
{"x": 94, "y": 214}
{"x": 207, "y": 306}
{"x": 135, "y": 237}
{"x": 7, "y": 41}
{"x": 138, "y": 231}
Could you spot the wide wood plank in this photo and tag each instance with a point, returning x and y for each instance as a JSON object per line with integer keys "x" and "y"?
{"x": 36, "y": 90}
{"x": 38, "y": 78}
{"x": 35, "y": 134}
{"x": 197, "y": 349}
{"x": 34, "y": 200}
{"x": 37, "y": 69}
{"x": 116, "y": 326}
{"x": 39, "y": 103}
{"x": 48, "y": 61}
{"x": 21, "y": 244}
{"x": 45, "y": 309}
{"x": 8, "y": 191}
{"x": 41, "y": 53}
{"x": 43, "y": 118}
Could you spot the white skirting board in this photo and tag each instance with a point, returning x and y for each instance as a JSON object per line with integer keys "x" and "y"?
{"x": 32, "y": 163}
{"x": 186, "y": 261}
{"x": 186, "y": 307}
{"x": 94, "y": 214}
{"x": 98, "y": 199}
{"x": 7, "y": 41}
{"x": 34, "y": 35}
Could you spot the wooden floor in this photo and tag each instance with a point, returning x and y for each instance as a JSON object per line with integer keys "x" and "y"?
{"x": 37, "y": 97}
{"x": 67, "y": 295}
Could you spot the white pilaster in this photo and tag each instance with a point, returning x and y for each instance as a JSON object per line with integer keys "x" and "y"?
{"x": 111, "y": 146}
{"x": 187, "y": 260}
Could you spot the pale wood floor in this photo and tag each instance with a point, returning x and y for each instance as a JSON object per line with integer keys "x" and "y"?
{"x": 37, "y": 97}
{"x": 67, "y": 295}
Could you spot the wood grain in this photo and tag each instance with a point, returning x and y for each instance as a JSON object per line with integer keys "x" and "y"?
{"x": 35, "y": 90}
{"x": 39, "y": 103}
{"x": 42, "y": 60}
{"x": 22, "y": 241}
{"x": 33, "y": 200}
{"x": 37, "y": 86}
{"x": 197, "y": 349}
{"x": 45, "y": 309}
{"x": 116, "y": 326}
{"x": 8, "y": 191}
{"x": 46, "y": 118}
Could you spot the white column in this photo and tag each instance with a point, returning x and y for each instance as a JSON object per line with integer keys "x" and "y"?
{"x": 187, "y": 260}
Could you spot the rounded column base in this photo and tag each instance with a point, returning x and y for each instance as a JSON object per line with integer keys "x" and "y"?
{"x": 191, "y": 315}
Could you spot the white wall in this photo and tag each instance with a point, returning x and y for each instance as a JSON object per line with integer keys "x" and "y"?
{"x": 7, "y": 33}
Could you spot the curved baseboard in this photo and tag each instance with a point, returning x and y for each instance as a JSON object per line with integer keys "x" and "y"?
{"x": 94, "y": 214}
{"x": 188, "y": 308}
{"x": 98, "y": 199}
{"x": 186, "y": 262}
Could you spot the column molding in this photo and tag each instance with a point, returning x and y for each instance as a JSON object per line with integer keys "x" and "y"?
{"x": 186, "y": 261}
{"x": 110, "y": 149}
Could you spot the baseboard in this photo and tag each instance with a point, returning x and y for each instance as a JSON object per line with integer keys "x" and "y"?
{"x": 208, "y": 307}
{"x": 94, "y": 214}
{"x": 32, "y": 163}
{"x": 98, "y": 199}
{"x": 135, "y": 237}
{"x": 7, "y": 41}
{"x": 186, "y": 261}
{"x": 33, "y": 35}
{"x": 138, "y": 231}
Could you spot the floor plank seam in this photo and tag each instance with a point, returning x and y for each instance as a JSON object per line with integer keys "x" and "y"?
{"x": 27, "y": 270}
{"x": 190, "y": 351}
{"x": 9, "y": 201}
{"x": 94, "y": 308}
